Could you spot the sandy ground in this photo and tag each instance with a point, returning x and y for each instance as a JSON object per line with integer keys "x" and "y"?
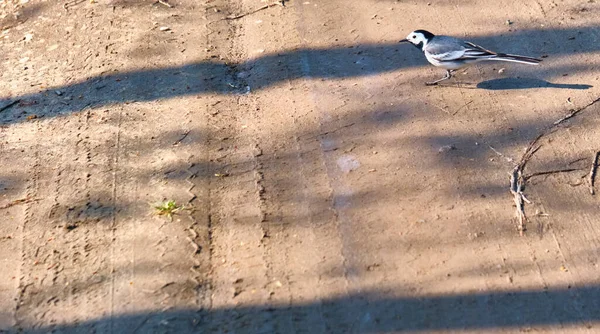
{"x": 325, "y": 188}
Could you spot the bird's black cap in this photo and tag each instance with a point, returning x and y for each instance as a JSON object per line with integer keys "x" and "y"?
{"x": 425, "y": 33}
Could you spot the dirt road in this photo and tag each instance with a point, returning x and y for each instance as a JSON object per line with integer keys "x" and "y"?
{"x": 322, "y": 187}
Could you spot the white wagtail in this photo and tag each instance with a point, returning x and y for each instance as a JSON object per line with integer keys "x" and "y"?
{"x": 452, "y": 53}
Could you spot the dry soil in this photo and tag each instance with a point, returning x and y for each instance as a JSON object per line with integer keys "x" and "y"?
{"x": 323, "y": 188}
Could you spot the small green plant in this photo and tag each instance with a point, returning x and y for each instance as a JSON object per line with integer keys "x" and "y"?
{"x": 167, "y": 208}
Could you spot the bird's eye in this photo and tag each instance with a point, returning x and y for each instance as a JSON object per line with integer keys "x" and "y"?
{"x": 414, "y": 36}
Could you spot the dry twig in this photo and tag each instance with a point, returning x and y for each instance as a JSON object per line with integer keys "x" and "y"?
{"x": 183, "y": 136}
{"x": 508, "y": 159}
{"x": 335, "y": 130}
{"x": 518, "y": 181}
{"x": 70, "y": 4}
{"x": 464, "y": 105}
{"x": 548, "y": 172}
{"x": 575, "y": 112}
{"x": 9, "y": 105}
{"x": 18, "y": 201}
{"x": 164, "y": 3}
{"x": 593, "y": 171}
{"x": 516, "y": 188}
{"x": 235, "y": 17}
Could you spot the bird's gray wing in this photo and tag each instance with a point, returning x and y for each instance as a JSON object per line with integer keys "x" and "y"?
{"x": 445, "y": 48}
{"x": 474, "y": 50}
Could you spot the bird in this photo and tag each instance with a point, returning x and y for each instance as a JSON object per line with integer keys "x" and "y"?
{"x": 452, "y": 53}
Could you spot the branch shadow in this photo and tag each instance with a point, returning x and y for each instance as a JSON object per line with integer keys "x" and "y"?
{"x": 23, "y": 14}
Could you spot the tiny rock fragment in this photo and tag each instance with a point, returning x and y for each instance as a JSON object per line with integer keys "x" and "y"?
{"x": 257, "y": 151}
{"x": 473, "y": 236}
{"x": 221, "y": 174}
{"x": 71, "y": 226}
{"x": 563, "y": 269}
{"x": 28, "y": 37}
{"x": 373, "y": 267}
{"x": 501, "y": 70}
{"x": 164, "y": 29}
{"x": 52, "y": 47}
{"x": 446, "y": 148}
{"x": 508, "y": 22}
{"x": 243, "y": 75}
{"x": 31, "y": 117}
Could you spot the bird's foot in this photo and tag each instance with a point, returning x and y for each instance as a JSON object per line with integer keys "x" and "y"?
{"x": 446, "y": 77}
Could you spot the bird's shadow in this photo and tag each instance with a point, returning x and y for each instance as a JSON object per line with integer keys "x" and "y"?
{"x": 525, "y": 83}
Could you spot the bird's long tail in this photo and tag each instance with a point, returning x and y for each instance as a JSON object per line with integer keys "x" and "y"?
{"x": 516, "y": 59}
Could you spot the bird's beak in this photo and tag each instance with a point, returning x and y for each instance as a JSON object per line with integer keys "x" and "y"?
{"x": 404, "y": 41}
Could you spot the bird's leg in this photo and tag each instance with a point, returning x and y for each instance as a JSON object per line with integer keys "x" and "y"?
{"x": 446, "y": 77}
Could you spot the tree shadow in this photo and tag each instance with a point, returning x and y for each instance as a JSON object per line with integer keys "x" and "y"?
{"x": 370, "y": 312}
{"x": 211, "y": 76}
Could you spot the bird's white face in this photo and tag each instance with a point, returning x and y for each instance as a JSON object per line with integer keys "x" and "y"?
{"x": 417, "y": 38}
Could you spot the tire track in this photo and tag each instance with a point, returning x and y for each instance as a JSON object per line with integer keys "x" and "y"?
{"x": 15, "y": 183}
{"x": 200, "y": 231}
{"x": 113, "y": 221}
{"x": 24, "y": 281}
{"x": 240, "y": 268}
{"x": 42, "y": 259}
{"x": 198, "y": 171}
{"x": 302, "y": 240}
